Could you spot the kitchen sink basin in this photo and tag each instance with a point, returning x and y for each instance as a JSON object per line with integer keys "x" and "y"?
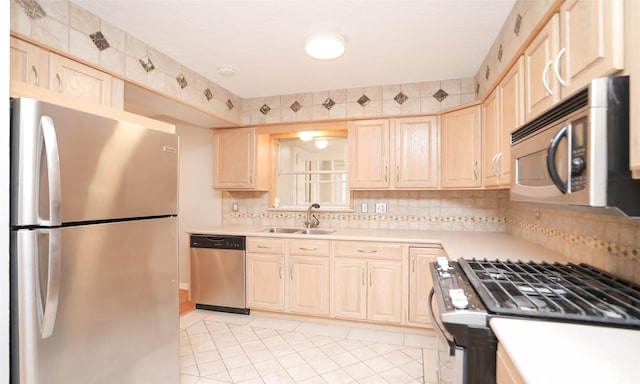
{"x": 303, "y": 231}
{"x": 281, "y": 230}
{"x": 316, "y": 231}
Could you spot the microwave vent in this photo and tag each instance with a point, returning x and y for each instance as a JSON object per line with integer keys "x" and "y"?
{"x": 553, "y": 115}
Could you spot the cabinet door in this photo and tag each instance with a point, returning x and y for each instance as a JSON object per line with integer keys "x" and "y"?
{"x": 234, "y": 158}
{"x": 416, "y": 152}
{"x": 511, "y": 112}
{"x": 461, "y": 148}
{"x": 384, "y": 294}
{"x": 542, "y": 87}
{"x": 491, "y": 131}
{"x": 78, "y": 80}
{"x": 29, "y": 63}
{"x": 420, "y": 282}
{"x": 369, "y": 154}
{"x": 309, "y": 285}
{"x": 350, "y": 290}
{"x": 265, "y": 281}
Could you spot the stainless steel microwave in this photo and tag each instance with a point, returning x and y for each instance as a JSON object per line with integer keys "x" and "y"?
{"x": 576, "y": 154}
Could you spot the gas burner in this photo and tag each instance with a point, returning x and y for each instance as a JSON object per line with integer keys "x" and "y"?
{"x": 526, "y": 303}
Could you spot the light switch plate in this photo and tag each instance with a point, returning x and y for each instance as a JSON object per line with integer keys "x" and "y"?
{"x": 364, "y": 208}
{"x": 381, "y": 207}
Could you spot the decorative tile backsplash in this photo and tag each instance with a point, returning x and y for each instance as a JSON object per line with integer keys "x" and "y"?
{"x": 409, "y": 210}
{"x": 608, "y": 242}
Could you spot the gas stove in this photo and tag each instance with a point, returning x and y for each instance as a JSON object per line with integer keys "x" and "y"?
{"x": 547, "y": 291}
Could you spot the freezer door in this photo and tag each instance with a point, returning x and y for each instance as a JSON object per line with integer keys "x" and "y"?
{"x": 116, "y": 317}
{"x": 69, "y": 166}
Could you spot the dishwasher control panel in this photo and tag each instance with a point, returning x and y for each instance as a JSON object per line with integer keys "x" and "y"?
{"x": 218, "y": 242}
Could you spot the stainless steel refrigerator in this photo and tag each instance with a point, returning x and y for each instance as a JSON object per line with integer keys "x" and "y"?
{"x": 94, "y": 269}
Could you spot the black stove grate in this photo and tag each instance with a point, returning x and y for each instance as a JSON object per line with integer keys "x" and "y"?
{"x": 567, "y": 292}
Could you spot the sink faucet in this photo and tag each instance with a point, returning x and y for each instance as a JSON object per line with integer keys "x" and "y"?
{"x": 312, "y": 220}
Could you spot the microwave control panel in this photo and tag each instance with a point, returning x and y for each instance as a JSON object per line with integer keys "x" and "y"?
{"x": 578, "y": 154}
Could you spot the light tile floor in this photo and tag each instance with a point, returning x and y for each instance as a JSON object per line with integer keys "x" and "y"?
{"x": 225, "y": 348}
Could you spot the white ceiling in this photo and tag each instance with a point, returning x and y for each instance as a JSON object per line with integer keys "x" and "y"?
{"x": 387, "y": 41}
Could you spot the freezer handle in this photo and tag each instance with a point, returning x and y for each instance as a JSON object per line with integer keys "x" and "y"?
{"x": 53, "y": 171}
{"x": 49, "y": 308}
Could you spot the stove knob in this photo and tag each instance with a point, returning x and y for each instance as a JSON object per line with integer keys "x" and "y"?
{"x": 458, "y": 299}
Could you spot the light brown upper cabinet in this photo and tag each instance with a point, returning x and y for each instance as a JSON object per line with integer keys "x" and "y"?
{"x": 397, "y": 153}
{"x": 240, "y": 159}
{"x": 584, "y": 41}
{"x": 461, "y": 146}
{"x": 502, "y": 113}
{"x": 36, "y": 66}
{"x": 29, "y": 63}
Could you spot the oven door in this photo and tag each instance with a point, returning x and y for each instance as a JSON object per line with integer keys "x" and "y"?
{"x": 450, "y": 358}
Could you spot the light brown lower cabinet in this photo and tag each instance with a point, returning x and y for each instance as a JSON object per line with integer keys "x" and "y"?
{"x": 265, "y": 273}
{"x": 506, "y": 372}
{"x": 420, "y": 282}
{"x": 309, "y": 285}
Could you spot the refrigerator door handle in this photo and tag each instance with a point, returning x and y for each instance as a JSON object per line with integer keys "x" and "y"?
{"x": 49, "y": 309}
{"x": 53, "y": 171}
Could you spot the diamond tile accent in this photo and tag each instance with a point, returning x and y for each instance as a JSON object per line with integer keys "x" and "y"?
{"x": 229, "y": 104}
{"x": 440, "y": 95}
{"x": 265, "y": 109}
{"x": 296, "y": 106}
{"x": 329, "y": 103}
{"x": 32, "y": 9}
{"x": 99, "y": 40}
{"x": 147, "y": 64}
{"x": 516, "y": 28}
{"x": 364, "y": 100}
{"x": 208, "y": 94}
{"x": 400, "y": 98}
{"x": 182, "y": 81}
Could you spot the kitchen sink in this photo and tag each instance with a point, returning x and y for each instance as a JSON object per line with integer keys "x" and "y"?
{"x": 281, "y": 230}
{"x": 303, "y": 231}
{"x": 316, "y": 231}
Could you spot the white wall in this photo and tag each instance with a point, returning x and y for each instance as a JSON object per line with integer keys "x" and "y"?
{"x": 4, "y": 196}
{"x": 199, "y": 205}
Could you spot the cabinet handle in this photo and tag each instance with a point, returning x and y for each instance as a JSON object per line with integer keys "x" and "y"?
{"x": 263, "y": 246}
{"x": 498, "y": 167}
{"x": 59, "y": 82}
{"x": 386, "y": 173}
{"x": 475, "y": 170}
{"x": 363, "y": 277}
{"x": 397, "y": 173}
{"x": 370, "y": 279}
{"x": 493, "y": 164}
{"x": 544, "y": 78}
{"x": 291, "y": 272}
{"x": 367, "y": 250}
{"x": 556, "y": 68}
{"x": 413, "y": 264}
{"x": 308, "y": 249}
{"x": 280, "y": 270}
{"x": 35, "y": 72}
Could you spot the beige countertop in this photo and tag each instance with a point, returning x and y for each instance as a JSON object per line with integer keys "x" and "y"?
{"x": 490, "y": 245}
{"x": 551, "y": 352}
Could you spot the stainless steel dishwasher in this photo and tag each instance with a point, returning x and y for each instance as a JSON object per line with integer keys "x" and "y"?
{"x": 218, "y": 273}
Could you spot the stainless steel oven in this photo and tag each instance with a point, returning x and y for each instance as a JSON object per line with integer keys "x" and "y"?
{"x": 576, "y": 154}
{"x": 467, "y": 293}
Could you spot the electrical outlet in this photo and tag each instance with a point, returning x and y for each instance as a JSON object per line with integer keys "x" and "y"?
{"x": 364, "y": 208}
{"x": 235, "y": 207}
{"x": 381, "y": 207}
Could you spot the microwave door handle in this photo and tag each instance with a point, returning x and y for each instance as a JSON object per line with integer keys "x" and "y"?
{"x": 551, "y": 159}
{"x": 450, "y": 342}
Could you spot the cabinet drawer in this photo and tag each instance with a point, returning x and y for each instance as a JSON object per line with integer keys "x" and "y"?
{"x": 368, "y": 250}
{"x": 265, "y": 245}
{"x": 309, "y": 247}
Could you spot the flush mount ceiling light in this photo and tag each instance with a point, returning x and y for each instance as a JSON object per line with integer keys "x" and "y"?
{"x": 306, "y": 135}
{"x": 226, "y": 70}
{"x": 321, "y": 144}
{"x": 325, "y": 46}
